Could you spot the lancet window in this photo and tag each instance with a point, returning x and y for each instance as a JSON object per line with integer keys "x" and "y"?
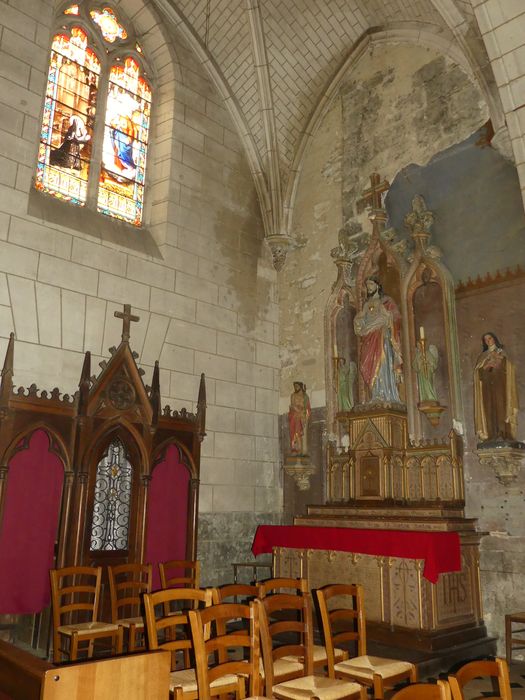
{"x": 96, "y": 118}
{"x": 112, "y": 500}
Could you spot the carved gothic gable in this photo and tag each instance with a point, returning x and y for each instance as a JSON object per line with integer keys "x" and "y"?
{"x": 119, "y": 389}
{"x": 370, "y": 438}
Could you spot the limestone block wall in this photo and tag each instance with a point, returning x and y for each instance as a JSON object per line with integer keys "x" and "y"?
{"x": 201, "y": 280}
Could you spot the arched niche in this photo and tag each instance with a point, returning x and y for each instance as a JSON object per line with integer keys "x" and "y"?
{"x": 112, "y": 534}
{"x": 340, "y": 341}
{"x": 169, "y": 510}
{"x": 427, "y": 312}
{"x": 382, "y": 264}
{"x": 30, "y": 523}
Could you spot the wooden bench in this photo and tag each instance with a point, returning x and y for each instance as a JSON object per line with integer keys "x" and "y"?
{"x": 135, "y": 677}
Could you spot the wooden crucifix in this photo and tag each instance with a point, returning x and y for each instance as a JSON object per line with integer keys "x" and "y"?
{"x": 127, "y": 317}
{"x": 372, "y": 195}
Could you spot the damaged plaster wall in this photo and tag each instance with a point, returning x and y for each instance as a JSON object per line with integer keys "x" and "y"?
{"x": 399, "y": 104}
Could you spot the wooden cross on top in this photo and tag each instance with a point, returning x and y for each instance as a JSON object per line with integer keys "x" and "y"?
{"x": 127, "y": 317}
{"x": 372, "y": 195}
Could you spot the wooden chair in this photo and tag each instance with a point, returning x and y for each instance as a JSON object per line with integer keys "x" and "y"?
{"x": 282, "y": 585}
{"x": 180, "y": 573}
{"x": 226, "y": 661}
{"x": 300, "y": 586}
{"x": 496, "y": 670}
{"x": 511, "y": 640}
{"x": 374, "y": 671}
{"x": 172, "y": 633}
{"x": 127, "y": 583}
{"x": 75, "y": 595}
{"x": 236, "y": 593}
{"x": 424, "y": 691}
{"x": 299, "y": 683}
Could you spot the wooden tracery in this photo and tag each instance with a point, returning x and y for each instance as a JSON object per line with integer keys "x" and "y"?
{"x": 114, "y": 404}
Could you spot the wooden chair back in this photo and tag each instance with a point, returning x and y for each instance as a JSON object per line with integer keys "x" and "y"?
{"x": 424, "y": 691}
{"x": 342, "y": 617}
{"x": 180, "y": 573}
{"x": 222, "y": 649}
{"x": 172, "y": 631}
{"x": 285, "y": 621}
{"x": 127, "y": 584}
{"x": 497, "y": 670}
{"x": 282, "y": 585}
{"x": 75, "y": 594}
{"x": 237, "y": 593}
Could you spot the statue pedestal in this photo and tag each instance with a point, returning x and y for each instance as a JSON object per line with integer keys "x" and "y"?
{"x": 300, "y": 468}
{"x": 504, "y": 457}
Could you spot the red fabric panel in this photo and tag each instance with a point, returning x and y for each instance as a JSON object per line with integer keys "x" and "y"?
{"x": 167, "y": 512}
{"x": 29, "y": 527}
{"x": 440, "y": 550}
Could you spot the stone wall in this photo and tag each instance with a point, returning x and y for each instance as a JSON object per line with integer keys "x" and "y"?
{"x": 199, "y": 275}
{"x": 402, "y": 110}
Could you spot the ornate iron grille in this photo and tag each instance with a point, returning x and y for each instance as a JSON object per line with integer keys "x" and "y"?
{"x": 110, "y": 521}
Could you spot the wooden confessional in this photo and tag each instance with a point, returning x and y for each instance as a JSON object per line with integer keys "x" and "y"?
{"x": 101, "y": 477}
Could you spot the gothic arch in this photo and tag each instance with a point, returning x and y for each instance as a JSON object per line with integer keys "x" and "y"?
{"x": 24, "y": 436}
{"x": 119, "y": 427}
{"x": 185, "y": 454}
{"x": 423, "y": 35}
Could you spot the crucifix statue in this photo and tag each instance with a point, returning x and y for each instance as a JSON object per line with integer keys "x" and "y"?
{"x": 372, "y": 195}
{"x": 127, "y": 317}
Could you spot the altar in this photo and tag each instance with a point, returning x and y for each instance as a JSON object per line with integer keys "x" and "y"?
{"x": 392, "y": 513}
{"x": 421, "y": 586}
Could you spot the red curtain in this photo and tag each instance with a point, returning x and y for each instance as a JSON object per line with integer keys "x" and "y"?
{"x": 166, "y": 522}
{"x": 29, "y": 527}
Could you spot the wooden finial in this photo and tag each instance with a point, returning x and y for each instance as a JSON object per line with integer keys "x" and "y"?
{"x": 201, "y": 407}
{"x": 127, "y": 317}
{"x": 6, "y": 385}
{"x": 83, "y": 385}
{"x": 155, "y": 393}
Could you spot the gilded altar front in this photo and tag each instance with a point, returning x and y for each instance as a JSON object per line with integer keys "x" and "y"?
{"x": 398, "y": 598}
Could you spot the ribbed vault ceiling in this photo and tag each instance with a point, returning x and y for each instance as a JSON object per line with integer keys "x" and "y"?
{"x": 276, "y": 59}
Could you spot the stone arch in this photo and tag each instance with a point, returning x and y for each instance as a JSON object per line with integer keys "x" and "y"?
{"x": 425, "y": 35}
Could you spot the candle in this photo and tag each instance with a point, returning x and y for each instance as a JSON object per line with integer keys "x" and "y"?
{"x": 421, "y": 332}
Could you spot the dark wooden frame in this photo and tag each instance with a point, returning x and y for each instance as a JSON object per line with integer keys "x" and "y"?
{"x": 80, "y": 426}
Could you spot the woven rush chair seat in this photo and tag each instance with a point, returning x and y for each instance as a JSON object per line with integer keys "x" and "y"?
{"x": 295, "y": 625}
{"x": 365, "y": 667}
{"x": 186, "y": 681}
{"x": 75, "y": 591}
{"x": 343, "y": 619}
{"x": 318, "y": 687}
{"x": 424, "y": 691}
{"x": 86, "y": 628}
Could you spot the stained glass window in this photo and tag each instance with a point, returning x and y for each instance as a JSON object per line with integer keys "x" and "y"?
{"x": 69, "y": 112}
{"x": 109, "y": 25}
{"x": 111, "y": 506}
{"x": 68, "y": 138}
{"x": 121, "y": 186}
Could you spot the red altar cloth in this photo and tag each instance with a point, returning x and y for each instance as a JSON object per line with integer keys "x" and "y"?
{"x": 440, "y": 550}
